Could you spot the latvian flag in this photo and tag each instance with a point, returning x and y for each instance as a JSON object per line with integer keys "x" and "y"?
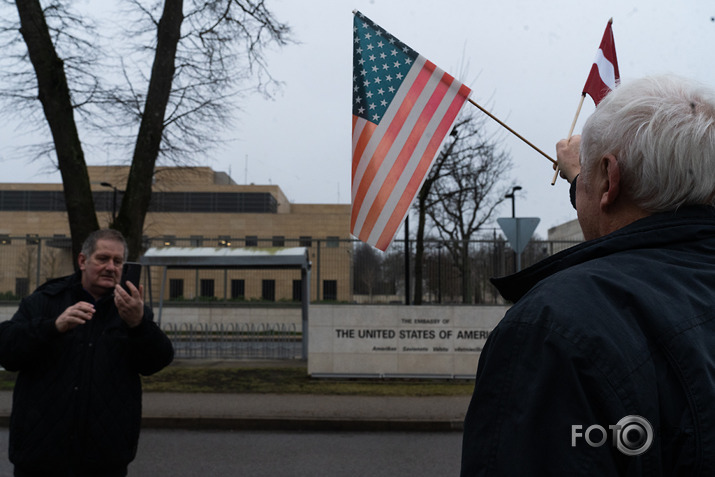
{"x": 604, "y": 75}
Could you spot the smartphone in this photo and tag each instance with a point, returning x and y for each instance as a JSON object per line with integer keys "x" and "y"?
{"x": 131, "y": 271}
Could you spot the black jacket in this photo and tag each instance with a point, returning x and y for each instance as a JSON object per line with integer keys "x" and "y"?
{"x": 77, "y": 398}
{"x": 620, "y": 326}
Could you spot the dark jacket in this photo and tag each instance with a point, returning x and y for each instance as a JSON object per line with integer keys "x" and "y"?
{"x": 620, "y": 326}
{"x": 77, "y": 398}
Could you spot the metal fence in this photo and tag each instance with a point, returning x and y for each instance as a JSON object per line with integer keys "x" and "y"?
{"x": 234, "y": 341}
{"x": 342, "y": 270}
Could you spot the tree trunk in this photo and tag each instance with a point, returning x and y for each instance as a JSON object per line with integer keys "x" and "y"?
{"x": 135, "y": 203}
{"x": 54, "y": 94}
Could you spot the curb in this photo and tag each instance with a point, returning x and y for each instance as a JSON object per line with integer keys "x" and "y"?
{"x": 298, "y": 424}
{"x": 292, "y": 424}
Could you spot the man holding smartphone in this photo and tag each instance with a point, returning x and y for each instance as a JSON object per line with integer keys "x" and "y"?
{"x": 80, "y": 344}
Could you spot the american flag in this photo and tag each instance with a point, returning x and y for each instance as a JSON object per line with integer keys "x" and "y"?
{"x": 604, "y": 75}
{"x": 403, "y": 107}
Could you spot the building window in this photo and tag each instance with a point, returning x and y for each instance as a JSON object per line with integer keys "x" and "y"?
{"x": 305, "y": 241}
{"x": 196, "y": 241}
{"x": 169, "y": 240}
{"x": 330, "y": 290}
{"x": 207, "y": 288}
{"x": 5, "y": 239}
{"x": 32, "y": 239}
{"x": 279, "y": 241}
{"x": 268, "y": 290}
{"x": 224, "y": 240}
{"x": 176, "y": 288}
{"x": 251, "y": 241}
{"x": 297, "y": 290}
{"x": 22, "y": 287}
{"x": 238, "y": 289}
{"x": 332, "y": 242}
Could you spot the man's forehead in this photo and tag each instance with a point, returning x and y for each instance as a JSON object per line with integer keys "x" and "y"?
{"x": 109, "y": 245}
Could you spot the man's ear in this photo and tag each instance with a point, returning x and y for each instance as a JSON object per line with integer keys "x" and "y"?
{"x": 611, "y": 188}
{"x": 81, "y": 260}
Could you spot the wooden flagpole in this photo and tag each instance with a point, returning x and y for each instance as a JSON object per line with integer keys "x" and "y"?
{"x": 573, "y": 125}
{"x": 511, "y": 130}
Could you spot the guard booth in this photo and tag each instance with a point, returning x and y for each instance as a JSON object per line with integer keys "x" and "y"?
{"x": 224, "y": 258}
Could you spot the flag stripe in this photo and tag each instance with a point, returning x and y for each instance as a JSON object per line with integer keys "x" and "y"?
{"x": 418, "y": 178}
{"x": 363, "y": 158}
{"x": 390, "y": 184}
{"x": 362, "y": 132}
{"x": 605, "y": 70}
{"x": 394, "y": 134}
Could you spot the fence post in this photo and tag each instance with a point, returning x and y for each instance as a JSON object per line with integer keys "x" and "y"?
{"x": 407, "y": 260}
{"x": 39, "y": 262}
{"x": 317, "y": 273}
{"x": 305, "y": 303}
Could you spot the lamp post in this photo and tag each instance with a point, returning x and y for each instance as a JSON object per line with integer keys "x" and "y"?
{"x": 511, "y": 196}
{"x": 114, "y": 200}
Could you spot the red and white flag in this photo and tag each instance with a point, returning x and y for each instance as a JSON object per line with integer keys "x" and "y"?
{"x": 604, "y": 75}
{"x": 403, "y": 107}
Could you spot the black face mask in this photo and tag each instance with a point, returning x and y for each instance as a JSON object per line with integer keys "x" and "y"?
{"x": 572, "y": 191}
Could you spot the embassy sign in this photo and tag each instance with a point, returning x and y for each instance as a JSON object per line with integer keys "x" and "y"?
{"x": 398, "y": 341}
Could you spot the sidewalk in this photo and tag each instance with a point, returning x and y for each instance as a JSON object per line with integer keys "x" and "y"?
{"x": 303, "y": 412}
{"x": 292, "y": 411}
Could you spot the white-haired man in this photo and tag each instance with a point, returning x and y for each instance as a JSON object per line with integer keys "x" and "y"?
{"x": 605, "y": 365}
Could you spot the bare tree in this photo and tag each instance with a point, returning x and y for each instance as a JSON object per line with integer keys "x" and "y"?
{"x": 367, "y": 270}
{"x": 421, "y": 205}
{"x": 470, "y": 185}
{"x": 181, "y": 65}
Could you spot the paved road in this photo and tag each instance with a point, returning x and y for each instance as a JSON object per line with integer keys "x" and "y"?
{"x": 178, "y": 453}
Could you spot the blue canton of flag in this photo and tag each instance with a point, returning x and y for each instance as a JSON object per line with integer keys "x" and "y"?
{"x": 380, "y": 63}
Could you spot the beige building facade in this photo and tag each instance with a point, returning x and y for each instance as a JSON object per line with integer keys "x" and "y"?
{"x": 190, "y": 207}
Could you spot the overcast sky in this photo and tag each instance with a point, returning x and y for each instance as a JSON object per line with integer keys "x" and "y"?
{"x": 525, "y": 61}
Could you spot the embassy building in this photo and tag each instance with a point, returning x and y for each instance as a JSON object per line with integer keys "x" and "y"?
{"x": 190, "y": 207}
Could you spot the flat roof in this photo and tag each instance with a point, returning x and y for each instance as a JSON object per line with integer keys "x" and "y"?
{"x": 225, "y": 257}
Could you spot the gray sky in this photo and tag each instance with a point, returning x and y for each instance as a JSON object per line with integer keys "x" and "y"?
{"x": 525, "y": 61}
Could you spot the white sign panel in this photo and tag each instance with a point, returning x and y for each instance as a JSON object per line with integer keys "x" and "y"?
{"x": 392, "y": 341}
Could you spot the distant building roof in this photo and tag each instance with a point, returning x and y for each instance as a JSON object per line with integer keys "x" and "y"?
{"x": 569, "y": 231}
{"x": 225, "y": 257}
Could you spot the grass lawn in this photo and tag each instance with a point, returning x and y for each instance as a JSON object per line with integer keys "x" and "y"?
{"x": 200, "y": 377}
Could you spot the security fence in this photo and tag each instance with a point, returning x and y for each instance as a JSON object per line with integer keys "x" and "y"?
{"x": 234, "y": 340}
{"x": 343, "y": 271}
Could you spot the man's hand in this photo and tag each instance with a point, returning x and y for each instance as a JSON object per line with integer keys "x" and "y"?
{"x": 130, "y": 306}
{"x": 567, "y": 156}
{"x": 75, "y": 315}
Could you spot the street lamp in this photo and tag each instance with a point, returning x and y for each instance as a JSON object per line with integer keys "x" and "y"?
{"x": 511, "y": 196}
{"x": 114, "y": 200}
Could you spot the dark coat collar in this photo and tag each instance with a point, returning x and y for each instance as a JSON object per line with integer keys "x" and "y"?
{"x": 662, "y": 229}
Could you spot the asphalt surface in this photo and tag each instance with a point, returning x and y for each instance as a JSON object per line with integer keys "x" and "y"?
{"x": 211, "y": 453}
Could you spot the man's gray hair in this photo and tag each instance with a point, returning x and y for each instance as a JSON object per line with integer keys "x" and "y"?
{"x": 90, "y": 243}
{"x": 662, "y": 131}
